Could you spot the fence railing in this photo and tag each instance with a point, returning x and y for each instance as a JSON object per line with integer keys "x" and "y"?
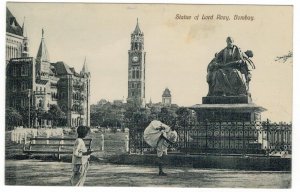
{"x": 223, "y": 137}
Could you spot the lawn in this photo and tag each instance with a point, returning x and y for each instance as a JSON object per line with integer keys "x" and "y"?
{"x": 114, "y": 143}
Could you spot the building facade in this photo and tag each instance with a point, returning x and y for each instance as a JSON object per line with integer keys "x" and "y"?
{"x": 136, "y": 69}
{"x": 35, "y": 85}
{"x": 16, "y": 38}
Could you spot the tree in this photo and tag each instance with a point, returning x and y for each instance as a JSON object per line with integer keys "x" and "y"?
{"x": 284, "y": 58}
{"x": 56, "y": 115}
{"x": 167, "y": 115}
{"x": 24, "y": 113}
{"x": 13, "y": 118}
{"x": 185, "y": 116}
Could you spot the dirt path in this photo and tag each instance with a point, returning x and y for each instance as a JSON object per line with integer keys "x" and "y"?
{"x": 34, "y": 172}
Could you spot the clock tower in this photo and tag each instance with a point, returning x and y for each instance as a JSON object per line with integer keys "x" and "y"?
{"x": 136, "y": 68}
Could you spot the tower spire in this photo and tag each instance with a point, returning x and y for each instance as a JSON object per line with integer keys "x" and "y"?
{"x": 24, "y": 28}
{"x": 42, "y": 52}
{"x": 25, "y": 40}
{"x": 42, "y": 60}
{"x": 137, "y": 29}
{"x": 85, "y": 69}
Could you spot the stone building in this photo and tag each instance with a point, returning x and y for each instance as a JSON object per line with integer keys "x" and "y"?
{"x": 136, "y": 69}
{"x": 36, "y": 84}
{"x": 16, "y": 38}
{"x": 166, "y": 97}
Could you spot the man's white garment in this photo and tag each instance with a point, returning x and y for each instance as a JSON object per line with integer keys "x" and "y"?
{"x": 153, "y": 132}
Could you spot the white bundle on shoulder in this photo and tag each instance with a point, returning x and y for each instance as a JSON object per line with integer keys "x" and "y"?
{"x": 154, "y": 130}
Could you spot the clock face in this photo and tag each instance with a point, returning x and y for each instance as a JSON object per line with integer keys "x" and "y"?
{"x": 135, "y": 58}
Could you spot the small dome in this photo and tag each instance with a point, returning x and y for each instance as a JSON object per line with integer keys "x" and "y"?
{"x": 167, "y": 93}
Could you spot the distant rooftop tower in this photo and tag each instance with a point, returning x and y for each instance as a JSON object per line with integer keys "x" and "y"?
{"x": 167, "y": 97}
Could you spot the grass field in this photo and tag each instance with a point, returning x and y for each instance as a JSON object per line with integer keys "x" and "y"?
{"x": 114, "y": 143}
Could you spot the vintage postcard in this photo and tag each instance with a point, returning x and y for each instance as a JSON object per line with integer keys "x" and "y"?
{"x": 148, "y": 95}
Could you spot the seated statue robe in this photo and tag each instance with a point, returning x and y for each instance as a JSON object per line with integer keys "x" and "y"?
{"x": 224, "y": 74}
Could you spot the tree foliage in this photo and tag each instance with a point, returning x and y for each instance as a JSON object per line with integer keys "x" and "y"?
{"x": 285, "y": 58}
{"x": 111, "y": 115}
{"x": 13, "y": 117}
{"x": 57, "y": 116}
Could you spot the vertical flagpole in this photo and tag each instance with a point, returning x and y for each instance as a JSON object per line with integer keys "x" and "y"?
{"x": 29, "y": 108}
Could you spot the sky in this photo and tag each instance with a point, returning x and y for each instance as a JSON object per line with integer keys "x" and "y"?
{"x": 178, "y": 51}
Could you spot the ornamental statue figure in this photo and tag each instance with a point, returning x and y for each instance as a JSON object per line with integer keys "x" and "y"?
{"x": 228, "y": 74}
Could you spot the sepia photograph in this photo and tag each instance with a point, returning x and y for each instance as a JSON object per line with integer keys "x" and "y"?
{"x": 148, "y": 95}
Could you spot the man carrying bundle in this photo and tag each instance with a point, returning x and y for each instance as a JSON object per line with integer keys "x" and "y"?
{"x": 160, "y": 136}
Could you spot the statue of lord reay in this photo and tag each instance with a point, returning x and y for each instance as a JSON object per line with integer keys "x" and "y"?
{"x": 228, "y": 74}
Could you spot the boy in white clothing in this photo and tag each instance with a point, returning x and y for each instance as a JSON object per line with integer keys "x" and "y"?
{"x": 80, "y": 157}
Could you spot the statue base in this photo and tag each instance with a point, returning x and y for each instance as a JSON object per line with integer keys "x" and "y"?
{"x": 226, "y": 99}
{"x": 228, "y": 112}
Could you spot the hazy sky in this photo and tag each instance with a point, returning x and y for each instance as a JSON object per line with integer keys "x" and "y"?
{"x": 178, "y": 51}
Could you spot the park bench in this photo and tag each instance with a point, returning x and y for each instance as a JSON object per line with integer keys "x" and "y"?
{"x": 54, "y": 146}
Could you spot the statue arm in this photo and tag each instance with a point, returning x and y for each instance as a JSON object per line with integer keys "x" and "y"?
{"x": 232, "y": 64}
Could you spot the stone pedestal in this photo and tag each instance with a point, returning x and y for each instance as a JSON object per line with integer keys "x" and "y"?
{"x": 228, "y": 112}
{"x": 226, "y": 99}
{"x": 228, "y": 108}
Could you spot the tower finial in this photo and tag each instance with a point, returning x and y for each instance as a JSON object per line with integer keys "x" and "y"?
{"x": 24, "y": 28}
{"x": 137, "y": 20}
{"x": 42, "y": 32}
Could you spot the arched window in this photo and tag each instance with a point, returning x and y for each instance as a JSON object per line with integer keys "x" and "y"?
{"x": 40, "y": 103}
{"x": 23, "y": 86}
{"x": 137, "y": 74}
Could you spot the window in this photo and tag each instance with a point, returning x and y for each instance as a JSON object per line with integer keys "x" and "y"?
{"x": 137, "y": 74}
{"x": 133, "y": 74}
{"x": 14, "y": 87}
{"x": 13, "y": 102}
{"x": 23, "y": 102}
{"x": 23, "y": 86}
{"x": 14, "y": 71}
{"x": 24, "y": 70}
{"x": 40, "y": 103}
